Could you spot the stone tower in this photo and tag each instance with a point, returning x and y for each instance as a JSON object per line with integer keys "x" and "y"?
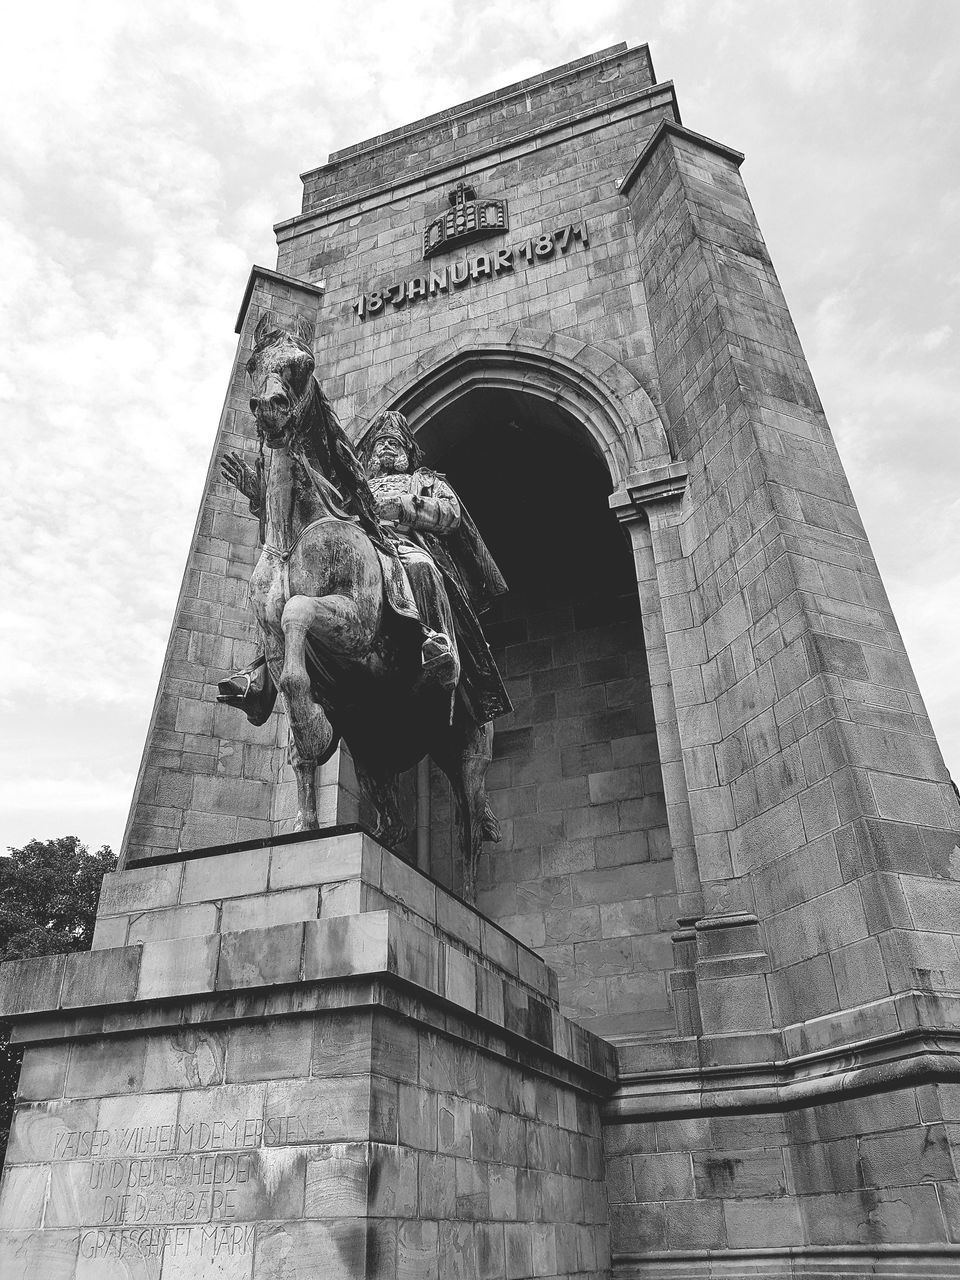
{"x": 704, "y": 1018}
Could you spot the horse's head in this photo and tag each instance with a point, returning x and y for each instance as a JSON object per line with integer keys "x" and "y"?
{"x": 281, "y": 374}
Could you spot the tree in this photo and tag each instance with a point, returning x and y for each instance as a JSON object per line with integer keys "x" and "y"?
{"x": 48, "y": 904}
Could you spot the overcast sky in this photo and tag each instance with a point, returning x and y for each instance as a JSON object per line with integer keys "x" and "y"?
{"x": 147, "y": 149}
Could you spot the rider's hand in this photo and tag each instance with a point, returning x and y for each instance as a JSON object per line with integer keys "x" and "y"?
{"x": 236, "y": 472}
{"x": 389, "y": 509}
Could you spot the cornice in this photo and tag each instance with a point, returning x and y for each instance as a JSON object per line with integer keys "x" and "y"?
{"x": 667, "y": 128}
{"x": 902, "y": 1060}
{"x": 265, "y": 273}
{"x": 381, "y": 193}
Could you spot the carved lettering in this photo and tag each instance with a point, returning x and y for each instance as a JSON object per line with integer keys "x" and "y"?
{"x": 207, "y": 1241}
{"x": 464, "y": 271}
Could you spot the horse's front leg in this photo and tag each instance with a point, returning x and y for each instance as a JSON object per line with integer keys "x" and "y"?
{"x": 338, "y": 626}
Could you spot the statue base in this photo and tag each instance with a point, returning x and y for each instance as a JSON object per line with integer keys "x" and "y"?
{"x": 301, "y": 1060}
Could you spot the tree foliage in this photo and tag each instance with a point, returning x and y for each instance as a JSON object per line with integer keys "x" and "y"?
{"x": 48, "y": 904}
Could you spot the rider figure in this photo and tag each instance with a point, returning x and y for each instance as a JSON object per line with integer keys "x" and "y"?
{"x": 451, "y": 573}
{"x": 413, "y": 504}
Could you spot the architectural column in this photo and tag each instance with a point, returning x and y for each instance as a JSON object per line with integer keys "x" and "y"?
{"x": 819, "y": 798}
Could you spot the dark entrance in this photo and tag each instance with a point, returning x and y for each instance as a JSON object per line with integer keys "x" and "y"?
{"x": 584, "y": 873}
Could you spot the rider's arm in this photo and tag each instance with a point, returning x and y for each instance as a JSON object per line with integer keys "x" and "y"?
{"x": 436, "y": 510}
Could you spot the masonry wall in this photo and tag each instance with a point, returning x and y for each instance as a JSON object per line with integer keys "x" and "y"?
{"x": 842, "y": 1174}
{"x": 584, "y": 874}
{"x": 815, "y": 781}
{"x": 367, "y": 231}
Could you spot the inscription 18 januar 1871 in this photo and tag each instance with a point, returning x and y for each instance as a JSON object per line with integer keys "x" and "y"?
{"x": 469, "y": 270}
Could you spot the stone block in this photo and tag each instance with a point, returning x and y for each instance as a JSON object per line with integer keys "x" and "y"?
{"x": 173, "y": 922}
{"x": 437, "y": 1186}
{"x": 336, "y": 1182}
{"x": 43, "y": 1072}
{"x": 407, "y": 886}
{"x": 140, "y": 889}
{"x": 110, "y": 931}
{"x": 270, "y": 1049}
{"x": 112, "y": 1064}
{"x": 902, "y": 1215}
{"x": 663, "y": 1176}
{"x": 735, "y": 1003}
{"x": 226, "y": 875}
{"x": 418, "y": 1250}
{"x": 260, "y": 957}
{"x": 186, "y": 1058}
{"x": 31, "y": 986}
{"x": 334, "y": 1248}
{"x": 100, "y": 977}
{"x": 27, "y": 1254}
{"x": 762, "y": 1223}
{"x": 346, "y": 945}
{"x": 393, "y": 1182}
{"x": 342, "y": 1043}
{"x": 262, "y": 910}
{"x": 918, "y": 1155}
{"x": 743, "y": 1174}
{"x": 337, "y": 857}
{"x": 456, "y": 919}
{"x": 53, "y": 1130}
{"x": 178, "y": 966}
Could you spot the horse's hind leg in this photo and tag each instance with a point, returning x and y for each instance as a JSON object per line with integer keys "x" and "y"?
{"x": 465, "y": 764}
{"x": 383, "y": 792}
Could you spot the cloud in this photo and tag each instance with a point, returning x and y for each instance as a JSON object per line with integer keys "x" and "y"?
{"x": 146, "y": 152}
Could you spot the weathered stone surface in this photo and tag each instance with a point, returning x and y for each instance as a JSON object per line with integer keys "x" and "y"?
{"x": 728, "y": 726}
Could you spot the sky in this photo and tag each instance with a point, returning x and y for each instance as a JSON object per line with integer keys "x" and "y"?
{"x": 146, "y": 150}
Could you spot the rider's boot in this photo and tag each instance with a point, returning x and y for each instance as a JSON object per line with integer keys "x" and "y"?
{"x": 252, "y": 690}
{"x": 440, "y": 664}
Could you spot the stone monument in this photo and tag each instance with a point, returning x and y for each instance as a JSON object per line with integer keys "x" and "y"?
{"x": 700, "y": 1016}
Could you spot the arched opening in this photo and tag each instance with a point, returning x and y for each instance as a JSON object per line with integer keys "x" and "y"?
{"x": 584, "y": 874}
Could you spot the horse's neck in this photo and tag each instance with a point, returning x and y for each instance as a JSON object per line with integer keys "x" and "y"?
{"x": 281, "y": 500}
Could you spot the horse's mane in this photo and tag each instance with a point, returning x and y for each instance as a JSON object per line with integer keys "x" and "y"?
{"x": 330, "y": 448}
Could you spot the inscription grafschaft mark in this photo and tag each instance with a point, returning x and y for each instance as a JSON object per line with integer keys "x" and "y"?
{"x": 152, "y": 1242}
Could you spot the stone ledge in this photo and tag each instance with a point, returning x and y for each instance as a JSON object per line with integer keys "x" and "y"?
{"x": 374, "y": 947}
{"x": 379, "y": 193}
{"x": 704, "y": 1088}
{"x": 339, "y": 873}
{"x": 925, "y": 1262}
{"x": 472, "y": 105}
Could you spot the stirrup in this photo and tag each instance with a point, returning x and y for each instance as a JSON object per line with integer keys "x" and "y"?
{"x": 440, "y": 664}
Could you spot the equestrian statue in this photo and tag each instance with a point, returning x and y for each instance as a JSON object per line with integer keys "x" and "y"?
{"x": 366, "y": 594}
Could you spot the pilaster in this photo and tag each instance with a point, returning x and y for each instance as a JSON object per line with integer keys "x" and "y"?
{"x": 818, "y": 797}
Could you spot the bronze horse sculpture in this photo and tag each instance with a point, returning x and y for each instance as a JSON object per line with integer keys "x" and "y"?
{"x": 345, "y": 661}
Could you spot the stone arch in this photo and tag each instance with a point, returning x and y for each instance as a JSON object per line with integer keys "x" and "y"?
{"x": 592, "y": 386}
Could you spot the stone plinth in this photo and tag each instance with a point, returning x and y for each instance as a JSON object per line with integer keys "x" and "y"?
{"x": 304, "y": 1060}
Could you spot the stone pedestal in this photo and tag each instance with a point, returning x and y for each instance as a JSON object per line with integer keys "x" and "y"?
{"x": 295, "y": 1061}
